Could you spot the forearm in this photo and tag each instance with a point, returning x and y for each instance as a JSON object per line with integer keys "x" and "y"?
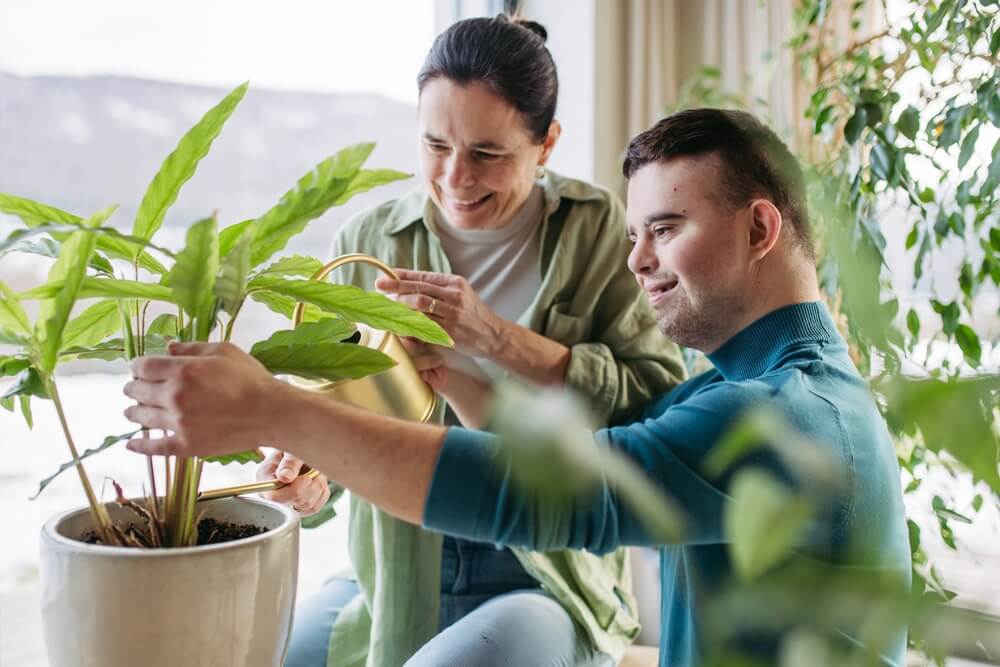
{"x": 470, "y": 397}
{"x": 531, "y": 356}
{"x": 388, "y": 461}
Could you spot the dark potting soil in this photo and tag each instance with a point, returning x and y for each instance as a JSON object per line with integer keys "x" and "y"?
{"x": 210, "y": 531}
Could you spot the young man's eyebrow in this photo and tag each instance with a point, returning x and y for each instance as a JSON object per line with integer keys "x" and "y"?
{"x": 663, "y": 216}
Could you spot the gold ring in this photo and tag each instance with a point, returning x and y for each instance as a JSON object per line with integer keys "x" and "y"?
{"x": 430, "y": 309}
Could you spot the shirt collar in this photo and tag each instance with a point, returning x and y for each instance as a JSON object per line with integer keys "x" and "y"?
{"x": 414, "y": 206}
{"x": 762, "y": 344}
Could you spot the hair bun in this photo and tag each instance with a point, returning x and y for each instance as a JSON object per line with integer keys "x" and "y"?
{"x": 533, "y": 26}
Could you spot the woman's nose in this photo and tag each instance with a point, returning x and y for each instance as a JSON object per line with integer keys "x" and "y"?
{"x": 458, "y": 172}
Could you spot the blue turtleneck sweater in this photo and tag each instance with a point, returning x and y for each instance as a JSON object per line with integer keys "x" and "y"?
{"x": 791, "y": 361}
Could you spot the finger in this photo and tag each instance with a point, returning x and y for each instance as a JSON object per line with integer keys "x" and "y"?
{"x": 288, "y": 469}
{"x": 177, "y": 349}
{"x": 410, "y": 287}
{"x": 265, "y": 471}
{"x": 147, "y": 393}
{"x": 157, "y": 369}
{"x": 427, "y": 362}
{"x": 428, "y": 305}
{"x": 157, "y": 446}
{"x": 150, "y": 416}
{"x": 431, "y": 277}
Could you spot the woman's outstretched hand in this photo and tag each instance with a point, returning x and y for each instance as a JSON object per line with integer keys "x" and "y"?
{"x": 305, "y": 495}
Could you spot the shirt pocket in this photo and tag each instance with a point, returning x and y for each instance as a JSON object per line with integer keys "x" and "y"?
{"x": 568, "y": 329}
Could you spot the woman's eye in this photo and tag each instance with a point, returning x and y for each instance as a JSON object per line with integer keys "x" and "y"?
{"x": 437, "y": 148}
{"x": 486, "y": 157}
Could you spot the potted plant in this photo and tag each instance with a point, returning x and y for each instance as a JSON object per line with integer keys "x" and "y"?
{"x": 164, "y": 579}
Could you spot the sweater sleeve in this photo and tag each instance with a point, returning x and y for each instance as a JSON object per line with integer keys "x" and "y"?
{"x": 474, "y": 495}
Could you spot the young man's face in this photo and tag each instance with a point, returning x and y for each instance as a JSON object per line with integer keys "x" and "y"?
{"x": 690, "y": 250}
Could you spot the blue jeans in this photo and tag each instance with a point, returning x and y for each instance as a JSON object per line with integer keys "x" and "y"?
{"x": 492, "y": 613}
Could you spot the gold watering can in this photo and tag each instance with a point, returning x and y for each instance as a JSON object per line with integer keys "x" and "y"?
{"x": 396, "y": 392}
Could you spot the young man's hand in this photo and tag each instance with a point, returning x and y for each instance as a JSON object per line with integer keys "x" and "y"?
{"x": 209, "y": 398}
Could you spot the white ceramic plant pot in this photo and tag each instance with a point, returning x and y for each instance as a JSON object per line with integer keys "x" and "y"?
{"x": 215, "y": 605}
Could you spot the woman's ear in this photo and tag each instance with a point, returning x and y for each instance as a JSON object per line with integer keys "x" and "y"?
{"x": 765, "y": 227}
{"x": 555, "y": 129}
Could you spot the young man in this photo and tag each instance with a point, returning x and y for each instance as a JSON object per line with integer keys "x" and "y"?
{"x": 717, "y": 217}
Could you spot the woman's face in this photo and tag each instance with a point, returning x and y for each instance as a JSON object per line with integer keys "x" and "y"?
{"x": 477, "y": 156}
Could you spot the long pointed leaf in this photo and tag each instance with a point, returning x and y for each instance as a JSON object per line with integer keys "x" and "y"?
{"x": 249, "y": 456}
{"x": 328, "y": 330}
{"x": 19, "y": 235}
{"x": 108, "y": 441}
{"x": 192, "y": 280}
{"x": 294, "y": 265}
{"x": 181, "y": 164}
{"x": 114, "y": 288}
{"x": 27, "y": 383}
{"x": 50, "y": 248}
{"x": 70, "y": 268}
{"x": 36, "y": 214}
{"x": 228, "y": 236}
{"x": 323, "y": 361}
{"x": 356, "y": 305}
{"x": 93, "y": 325}
{"x": 325, "y": 186}
{"x": 285, "y": 305}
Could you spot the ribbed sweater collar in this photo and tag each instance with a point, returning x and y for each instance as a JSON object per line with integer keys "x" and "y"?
{"x": 759, "y": 347}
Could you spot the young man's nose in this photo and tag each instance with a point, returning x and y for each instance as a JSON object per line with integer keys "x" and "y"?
{"x": 642, "y": 258}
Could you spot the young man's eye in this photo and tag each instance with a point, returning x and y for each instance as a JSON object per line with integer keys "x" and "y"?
{"x": 661, "y": 230}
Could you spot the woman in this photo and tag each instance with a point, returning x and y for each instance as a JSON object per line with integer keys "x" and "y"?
{"x": 526, "y": 271}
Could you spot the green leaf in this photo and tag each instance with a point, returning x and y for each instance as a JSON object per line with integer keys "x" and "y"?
{"x": 27, "y": 383}
{"x": 332, "y": 182}
{"x": 927, "y": 195}
{"x": 35, "y": 214}
{"x": 969, "y": 342}
{"x": 993, "y": 109}
{"x": 823, "y": 118}
{"x": 228, "y": 236}
{"x": 968, "y": 146}
{"x": 164, "y": 325}
{"x": 949, "y": 316}
{"x": 93, "y": 325}
{"x": 12, "y": 315}
{"x": 951, "y": 416}
{"x": 231, "y": 285}
{"x": 70, "y": 268}
{"x": 328, "y": 330}
{"x": 322, "y": 361}
{"x": 50, "y": 248}
{"x": 881, "y": 161}
{"x": 114, "y": 348}
{"x": 114, "y": 288}
{"x": 108, "y": 441}
{"x": 181, "y": 164}
{"x": 251, "y": 456}
{"x": 294, "y": 265}
{"x": 12, "y": 365}
{"x": 854, "y": 125}
{"x": 913, "y": 322}
{"x": 192, "y": 280}
{"x": 356, "y": 305}
{"x": 912, "y": 237}
{"x": 908, "y": 123}
{"x": 25, "y": 402}
{"x": 762, "y": 523}
{"x": 952, "y": 127}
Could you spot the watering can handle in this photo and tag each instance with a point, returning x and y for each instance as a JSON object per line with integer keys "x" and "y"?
{"x": 336, "y": 263}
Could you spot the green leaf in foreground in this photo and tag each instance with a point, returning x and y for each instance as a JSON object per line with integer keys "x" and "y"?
{"x": 108, "y": 441}
{"x": 181, "y": 164}
{"x": 293, "y": 265}
{"x": 70, "y": 269}
{"x": 235, "y": 269}
{"x": 12, "y": 315}
{"x": 27, "y": 383}
{"x": 50, "y": 248}
{"x": 762, "y": 522}
{"x": 322, "y": 361}
{"x": 356, "y": 305}
{"x": 327, "y": 330}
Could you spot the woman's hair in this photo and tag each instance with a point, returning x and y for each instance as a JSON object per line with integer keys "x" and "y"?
{"x": 508, "y": 55}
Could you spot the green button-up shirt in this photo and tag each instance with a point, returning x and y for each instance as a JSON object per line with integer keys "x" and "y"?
{"x": 590, "y": 302}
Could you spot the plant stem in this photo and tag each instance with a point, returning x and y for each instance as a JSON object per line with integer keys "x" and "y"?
{"x": 99, "y": 513}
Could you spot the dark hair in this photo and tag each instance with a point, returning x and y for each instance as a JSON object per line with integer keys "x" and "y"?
{"x": 755, "y": 162}
{"x": 508, "y": 56}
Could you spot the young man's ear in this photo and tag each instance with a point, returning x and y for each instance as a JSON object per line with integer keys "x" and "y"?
{"x": 765, "y": 227}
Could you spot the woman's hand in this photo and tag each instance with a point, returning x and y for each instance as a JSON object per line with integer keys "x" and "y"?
{"x": 305, "y": 495}
{"x": 451, "y": 302}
